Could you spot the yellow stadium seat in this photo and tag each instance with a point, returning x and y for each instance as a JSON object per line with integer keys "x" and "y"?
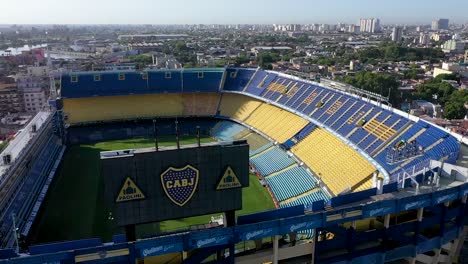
{"x": 200, "y": 104}
{"x": 102, "y": 108}
{"x": 339, "y": 166}
{"x": 275, "y": 122}
{"x": 237, "y": 106}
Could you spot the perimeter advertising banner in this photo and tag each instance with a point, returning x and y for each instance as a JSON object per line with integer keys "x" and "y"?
{"x": 145, "y": 186}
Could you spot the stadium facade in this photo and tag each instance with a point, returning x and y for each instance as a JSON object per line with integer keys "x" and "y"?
{"x": 349, "y": 161}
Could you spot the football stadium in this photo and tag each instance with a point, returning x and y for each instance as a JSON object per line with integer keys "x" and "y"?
{"x": 228, "y": 165}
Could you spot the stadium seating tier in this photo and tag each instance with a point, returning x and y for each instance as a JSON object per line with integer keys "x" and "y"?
{"x": 370, "y": 127}
{"x": 339, "y": 166}
{"x": 275, "y": 122}
{"x": 237, "y": 106}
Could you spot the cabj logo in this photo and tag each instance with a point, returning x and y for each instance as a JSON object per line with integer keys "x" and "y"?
{"x": 180, "y": 183}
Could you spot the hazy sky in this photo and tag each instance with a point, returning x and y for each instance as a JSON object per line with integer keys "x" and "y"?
{"x": 227, "y": 12}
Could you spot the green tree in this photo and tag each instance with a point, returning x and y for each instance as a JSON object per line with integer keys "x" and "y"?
{"x": 445, "y": 76}
{"x": 242, "y": 59}
{"x": 3, "y": 145}
{"x": 455, "y": 106}
{"x": 142, "y": 60}
{"x": 435, "y": 90}
{"x": 266, "y": 58}
{"x": 180, "y": 46}
{"x": 382, "y": 84}
{"x": 454, "y": 110}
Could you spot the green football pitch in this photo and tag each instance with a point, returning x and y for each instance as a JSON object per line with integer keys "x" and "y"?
{"x": 74, "y": 207}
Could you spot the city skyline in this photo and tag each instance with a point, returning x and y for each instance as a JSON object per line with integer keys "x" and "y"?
{"x": 242, "y": 12}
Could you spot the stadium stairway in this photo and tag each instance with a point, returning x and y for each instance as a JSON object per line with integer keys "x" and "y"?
{"x": 383, "y": 146}
{"x": 304, "y": 132}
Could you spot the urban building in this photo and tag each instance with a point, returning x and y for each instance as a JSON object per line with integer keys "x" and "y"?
{"x": 287, "y": 27}
{"x": 439, "y": 37}
{"x": 440, "y": 24}
{"x": 33, "y": 85}
{"x": 354, "y": 29}
{"x": 259, "y": 49}
{"x": 397, "y": 34}
{"x": 454, "y": 46}
{"x": 11, "y": 98}
{"x": 34, "y": 99}
{"x": 120, "y": 67}
{"x": 450, "y": 68}
{"x": 38, "y": 71}
{"x": 369, "y": 25}
{"x": 150, "y": 37}
{"x": 423, "y": 39}
{"x": 353, "y": 65}
{"x": 11, "y": 123}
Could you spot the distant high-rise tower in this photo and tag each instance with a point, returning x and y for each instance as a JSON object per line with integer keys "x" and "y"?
{"x": 362, "y": 25}
{"x": 375, "y": 25}
{"x": 440, "y": 24}
{"x": 370, "y": 25}
{"x": 423, "y": 39}
{"x": 397, "y": 34}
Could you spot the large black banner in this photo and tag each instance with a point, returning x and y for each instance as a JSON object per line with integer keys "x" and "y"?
{"x": 144, "y": 185}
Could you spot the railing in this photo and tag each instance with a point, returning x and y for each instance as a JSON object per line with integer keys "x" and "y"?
{"x": 381, "y": 206}
{"x": 19, "y": 157}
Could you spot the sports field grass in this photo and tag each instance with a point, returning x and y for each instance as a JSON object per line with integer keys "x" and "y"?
{"x": 75, "y": 209}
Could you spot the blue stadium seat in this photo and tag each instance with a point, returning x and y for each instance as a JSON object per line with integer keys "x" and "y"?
{"x": 225, "y": 130}
{"x": 308, "y": 199}
{"x": 201, "y": 80}
{"x": 263, "y": 148}
{"x": 272, "y": 160}
{"x": 237, "y": 79}
{"x": 290, "y": 183}
{"x": 260, "y": 81}
{"x": 23, "y": 203}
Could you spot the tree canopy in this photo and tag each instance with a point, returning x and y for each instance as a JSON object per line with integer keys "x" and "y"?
{"x": 455, "y": 106}
{"x": 396, "y": 52}
{"x": 382, "y": 84}
{"x": 438, "y": 91}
